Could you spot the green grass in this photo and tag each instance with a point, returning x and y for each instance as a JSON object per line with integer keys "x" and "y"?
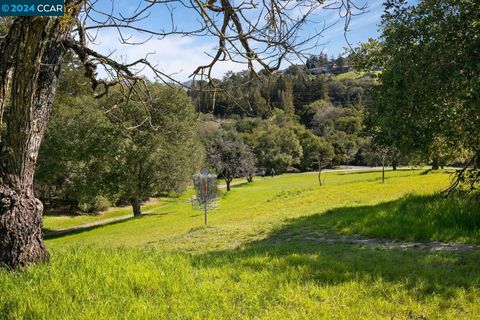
{"x": 355, "y": 75}
{"x": 251, "y": 262}
{"x": 263, "y": 281}
{"x": 54, "y": 222}
{"x": 410, "y": 218}
{"x": 252, "y": 211}
{"x": 349, "y": 75}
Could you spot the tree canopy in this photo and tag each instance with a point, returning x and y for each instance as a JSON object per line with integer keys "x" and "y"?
{"x": 91, "y": 157}
{"x": 428, "y": 100}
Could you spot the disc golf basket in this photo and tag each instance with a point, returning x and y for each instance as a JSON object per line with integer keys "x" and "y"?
{"x": 206, "y": 192}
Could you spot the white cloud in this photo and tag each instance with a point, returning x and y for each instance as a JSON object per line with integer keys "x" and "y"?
{"x": 175, "y": 55}
{"x": 180, "y": 56}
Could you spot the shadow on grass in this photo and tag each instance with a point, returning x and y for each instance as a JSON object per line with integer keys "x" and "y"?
{"x": 425, "y": 172}
{"x": 411, "y": 218}
{"x": 54, "y": 234}
{"x": 197, "y": 215}
{"x": 422, "y": 272}
{"x": 376, "y": 175}
{"x": 239, "y": 184}
{"x": 271, "y": 268}
{"x": 367, "y": 171}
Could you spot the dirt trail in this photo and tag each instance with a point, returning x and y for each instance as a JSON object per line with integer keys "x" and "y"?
{"x": 387, "y": 244}
{"x": 49, "y": 233}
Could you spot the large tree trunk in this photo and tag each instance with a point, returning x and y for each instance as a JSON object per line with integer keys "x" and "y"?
{"x": 435, "y": 163}
{"x": 20, "y": 229}
{"x": 383, "y": 171}
{"x": 136, "y": 206}
{"x": 30, "y": 64}
{"x": 394, "y": 164}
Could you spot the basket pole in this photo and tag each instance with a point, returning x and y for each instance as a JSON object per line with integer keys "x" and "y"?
{"x": 205, "y": 186}
{"x": 206, "y": 214}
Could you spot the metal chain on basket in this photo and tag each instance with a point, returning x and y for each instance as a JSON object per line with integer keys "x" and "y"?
{"x": 206, "y": 192}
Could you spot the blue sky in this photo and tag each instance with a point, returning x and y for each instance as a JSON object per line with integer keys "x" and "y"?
{"x": 361, "y": 28}
{"x": 179, "y": 56}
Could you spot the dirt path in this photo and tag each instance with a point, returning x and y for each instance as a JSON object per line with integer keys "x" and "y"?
{"x": 388, "y": 244}
{"x": 50, "y": 233}
{"x": 372, "y": 242}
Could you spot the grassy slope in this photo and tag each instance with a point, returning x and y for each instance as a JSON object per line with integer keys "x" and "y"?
{"x": 349, "y": 75}
{"x": 167, "y": 265}
{"x": 54, "y": 222}
{"x": 251, "y": 212}
{"x": 354, "y": 75}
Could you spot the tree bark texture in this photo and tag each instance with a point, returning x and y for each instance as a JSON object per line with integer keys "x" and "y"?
{"x": 394, "y": 165}
{"x": 29, "y": 69}
{"x": 136, "y": 205}
{"x": 383, "y": 171}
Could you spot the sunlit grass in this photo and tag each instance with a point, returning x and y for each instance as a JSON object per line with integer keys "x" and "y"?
{"x": 251, "y": 261}
{"x": 410, "y": 218}
{"x": 52, "y": 222}
{"x": 252, "y": 211}
{"x": 349, "y": 75}
{"x": 264, "y": 281}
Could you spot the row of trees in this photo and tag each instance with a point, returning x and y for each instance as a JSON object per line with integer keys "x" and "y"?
{"x": 33, "y": 51}
{"x": 240, "y": 94}
{"x": 286, "y": 121}
{"x": 321, "y": 60}
{"x": 94, "y": 154}
{"x": 282, "y": 143}
{"x": 428, "y": 102}
{"x": 245, "y": 147}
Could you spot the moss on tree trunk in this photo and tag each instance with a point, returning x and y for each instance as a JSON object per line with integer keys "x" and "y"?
{"x": 29, "y": 70}
{"x": 136, "y": 206}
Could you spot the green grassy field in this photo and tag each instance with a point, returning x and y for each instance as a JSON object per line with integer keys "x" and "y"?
{"x": 253, "y": 261}
{"x": 54, "y": 222}
{"x": 349, "y": 75}
{"x": 354, "y": 75}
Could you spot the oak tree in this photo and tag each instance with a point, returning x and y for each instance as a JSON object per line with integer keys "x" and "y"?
{"x": 258, "y": 34}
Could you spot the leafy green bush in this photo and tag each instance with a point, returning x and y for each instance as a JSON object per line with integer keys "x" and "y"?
{"x": 97, "y": 204}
